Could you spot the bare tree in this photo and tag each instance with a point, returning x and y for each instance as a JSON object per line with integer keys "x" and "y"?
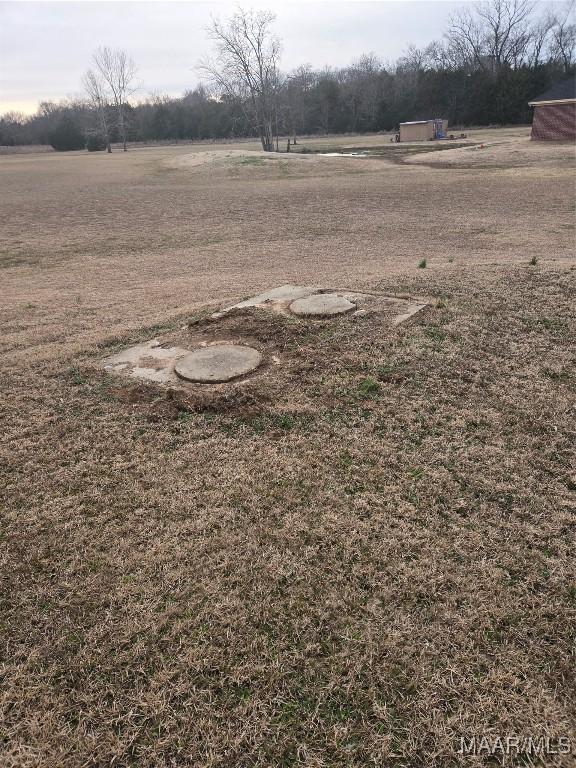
{"x": 493, "y": 35}
{"x": 563, "y": 33}
{"x": 465, "y": 39}
{"x": 118, "y": 72}
{"x": 507, "y": 23}
{"x": 96, "y": 90}
{"x": 540, "y": 35}
{"x": 297, "y": 87}
{"x": 363, "y": 88}
{"x": 245, "y": 68}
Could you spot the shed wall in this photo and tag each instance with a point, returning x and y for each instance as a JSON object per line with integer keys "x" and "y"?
{"x": 417, "y": 132}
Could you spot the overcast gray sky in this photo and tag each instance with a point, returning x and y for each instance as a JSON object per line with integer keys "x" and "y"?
{"x": 46, "y": 46}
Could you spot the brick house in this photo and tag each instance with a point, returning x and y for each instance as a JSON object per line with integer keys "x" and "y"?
{"x": 555, "y": 112}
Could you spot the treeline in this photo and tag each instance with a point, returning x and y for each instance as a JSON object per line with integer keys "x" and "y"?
{"x": 330, "y": 101}
{"x": 493, "y": 60}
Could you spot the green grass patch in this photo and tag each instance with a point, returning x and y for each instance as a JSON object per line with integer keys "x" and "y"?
{"x": 369, "y": 387}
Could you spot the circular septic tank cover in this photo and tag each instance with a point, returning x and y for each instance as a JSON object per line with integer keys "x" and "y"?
{"x": 321, "y": 305}
{"x": 221, "y": 362}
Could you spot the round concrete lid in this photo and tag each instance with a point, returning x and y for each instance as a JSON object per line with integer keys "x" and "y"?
{"x": 218, "y": 363}
{"x": 321, "y": 305}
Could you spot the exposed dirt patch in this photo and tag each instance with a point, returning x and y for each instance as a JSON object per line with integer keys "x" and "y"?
{"x": 391, "y": 152}
{"x": 295, "y": 350}
{"x": 503, "y": 154}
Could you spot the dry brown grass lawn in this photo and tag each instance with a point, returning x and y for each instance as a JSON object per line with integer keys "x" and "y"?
{"x": 356, "y": 568}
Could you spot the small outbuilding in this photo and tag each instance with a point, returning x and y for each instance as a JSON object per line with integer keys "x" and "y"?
{"x": 555, "y": 112}
{"x": 423, "y": 130}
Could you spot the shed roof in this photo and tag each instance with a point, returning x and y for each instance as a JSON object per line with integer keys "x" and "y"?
{"x": 564, "y": 90}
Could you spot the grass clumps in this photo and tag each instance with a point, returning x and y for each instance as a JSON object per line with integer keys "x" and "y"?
{"x": 369, "y": 387}
{"x": 251, "y": 160}
{"x": 422, "y": 264}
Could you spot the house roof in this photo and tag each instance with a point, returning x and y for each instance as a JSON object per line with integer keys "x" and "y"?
{"x": 565, "y": 90}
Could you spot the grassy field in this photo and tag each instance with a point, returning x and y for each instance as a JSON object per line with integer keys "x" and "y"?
{"x": 356, "y": 566}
